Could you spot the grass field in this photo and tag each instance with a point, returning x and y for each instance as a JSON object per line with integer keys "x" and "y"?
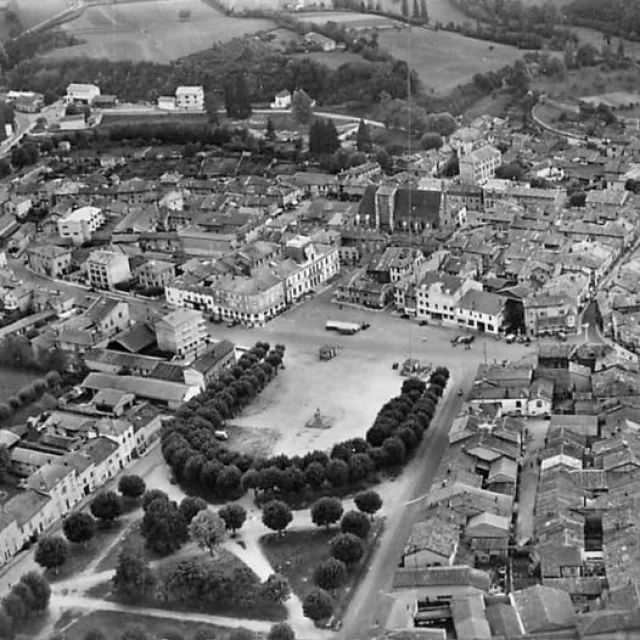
{"x": 151, "y": 30}
{"x": 32, "y": 12}
{"x": 444, "y": 60}
{"x": 112, "y": 624}
{"x": 332, "y": 59}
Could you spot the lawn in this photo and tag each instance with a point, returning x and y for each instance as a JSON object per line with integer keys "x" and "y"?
{"x": 297, "y": 554}
{"x": 444, "y": 60}
{"x": 112, "y": 624}
{"x": 32, "y": 12}
{"x": 80, "y": 557}
{"x": 151, "y": 30}
{"x": 350, "y": 20}
{"x": 151, "y": 118}
{"x": 331, "y": 59}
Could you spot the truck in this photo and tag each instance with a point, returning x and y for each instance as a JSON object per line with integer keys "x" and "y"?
{"x": 345, "y": 328}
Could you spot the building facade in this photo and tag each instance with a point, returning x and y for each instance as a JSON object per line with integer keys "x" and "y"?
{"x": 106, "y": 269}
{"x": 181, "y": 332}
{"x": 191, "y": 97}
{"x": 80, "y": 225}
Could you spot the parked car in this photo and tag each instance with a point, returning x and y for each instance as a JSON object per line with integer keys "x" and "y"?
{"x": 510, "y": 338}
{"x": 424, "y": 323}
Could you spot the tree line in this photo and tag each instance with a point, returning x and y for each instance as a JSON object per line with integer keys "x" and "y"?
{"x": 26, "y": 599}
{"x": 201, "y": 463}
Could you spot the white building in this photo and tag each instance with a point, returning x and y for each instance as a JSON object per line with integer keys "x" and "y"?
{"x": 481, "y": 311}
{"x": 438, "y": 295}
{"x": 105, "y": 269}
{"x": 84, "y": 93}
{"x": 282, "y": 100}
{"x": 190, "y": 98}
{"x": 81, "y": 224}
{"x": 167, "y": 103}
{"x": 479, "y": 165}
{"x": 181, "y": 332}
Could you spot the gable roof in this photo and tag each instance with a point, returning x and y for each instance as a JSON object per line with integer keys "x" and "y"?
{"x": 445, "y": 576}
{"x": 434, "y": 534}
{"x": 418, "y": 205}
{"x": 544, "y": 609}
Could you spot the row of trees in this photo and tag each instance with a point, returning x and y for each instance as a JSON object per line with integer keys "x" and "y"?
{"x": 17, "y": 352}
{"x": 29, "y": 597}
{"x": 199, "y": 461}
{"x": 28, "y": 394}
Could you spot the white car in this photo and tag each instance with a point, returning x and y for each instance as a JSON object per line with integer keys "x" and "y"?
{"x": 221, "y": 435}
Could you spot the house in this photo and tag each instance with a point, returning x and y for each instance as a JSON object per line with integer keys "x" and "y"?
{"x": 83, "y": 93}
{"x": 560, "y": 561}
{"x": 542, "y": 609}
{"x": 282, "y": 100}
{"x": 479, "y": 165}
{"x": 190, "y": 97}
{"x": 546, "y": 314}
{"x": 481, "y": 311}
{"x": 31, "y": 103}
{"x": 469, "y": 617}
{"x": 321, "y": 41}
{"x": 540, "y": 402}
{"x": 33, "y": 513}
{"x": 433, "y": 542}
{"x": 24, "y": 461}
{"x": 119, "y": 430}
{"x": 104, "y": 454}
{"x": 104, "y": 101}
{"x": 49, "y": 259}
{"x": 60, "y": 483}
{"x": 80, "y": 225}
{"x": 155, "y": 274}
{"x": 162, "y": 392}
{"x": 437, "y": 296}
{"x": 362, "y": 289}
{"x": 18, "y": 206}
{"x": 206, "y": 367}
{"x": 106, "y": 269}
{"x": 314, "y": 184}
{"x": 181, "y": 332}
{"x": 147, "y": 423}
{"x": 487, "y": 526}
{"x": 586, "y": 426}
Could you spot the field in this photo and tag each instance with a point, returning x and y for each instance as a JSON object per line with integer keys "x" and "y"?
{"x": 151, "y": 30}
{"x": 444, "y": 60}
{"x": 112, "y": 625}
{"x": 32, "y": 12}
{"x": 332, "y": 59}
{"x": 348, "y": 19}
{"x": 589, "y": 81}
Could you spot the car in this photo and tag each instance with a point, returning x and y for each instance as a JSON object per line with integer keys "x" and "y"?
{"x": 220, "y": 435}
{"x": 405, "y": 316}
{"x": 460, "y": 392}
{"x": 455, "y": 340}
{"x": 510, "y": 339}
{"x": 424, "y": 323}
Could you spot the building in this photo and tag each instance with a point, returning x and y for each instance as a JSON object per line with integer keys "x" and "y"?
{"x": 181, "y": 332}
{"x": 251, "y": 300}
{"x": 481, "y": 311}
{"x": 167, "y": 103}
{"x": 18, "y": 206}
{"x": 49, "y": 259}
{"x": 106, "y": 269}
{"x": 438, "y": 295}
{"x": 479, "y": 165}
{"x": 156, "y": 274}
{"x": 80, "y": 225}
{"x": 433, "y": 542}
{"x": 206, "y": 367}
{"x": 191, "y": 98}
{"x": 546, "y": 314}
{"x": 84, "y": 93}
{"x": 319, "y": 40}
{"x": 147, "y": 423}
{"x": 282, "y": 100}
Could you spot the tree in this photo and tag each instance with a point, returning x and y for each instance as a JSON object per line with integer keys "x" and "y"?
{"x": 211, "y": 106}
{"x": 16, "y": 608}
{"x": 356, "y": 523}
{"x": 133, "y": 577}
{"x": 163, "y": 527}
{"x": 94, "y": 634}
{"x": 347, "y": 548}
{"x": 368, "y": 502}
{"x": 234, "y": 516}
{"x": 6, "y": 623}
{"x": 230, "y": 99}
{"x": 431, "y": 141}
{"x": 620, "y": 48}
{"x": 241, "y": 634}
{"x": 51, "y": 552}
{"x": 276, "y": 589}
{"x": 40, "y": 590}
{"x": 442, "y": 123}
{"x": 5, "y": 462}
{"x": 301, "y": 107}
{"x": 404, "y": 9}
{"x": 395, "y": 450}
{"x": 424, "y": 13}
{"x": 135, "y": 632}
{"x": 317, "y": 605}
{"x": 151, "y": 495}
{"x": 314, "y": 475}
{"x": 49, "y": 97}
{"x": 207, "y": 530}
{"x": 337, "y": 472}
{"x": 330, "y": 574}
{"x": 242, "y": 100}
{"x": 323, "y": 137}
{"x": 363, "y": 137}
{"x": 190, "y": 507}
{"x": 106, "y": 506}
{"x": 326, "y": 511}
{"x": 281, "y": 631}
{"x": 277, "y": 515}
{"x": 270, "y": 132}
{"x": 190, "y": 150}
{"x": 79, "y": 527}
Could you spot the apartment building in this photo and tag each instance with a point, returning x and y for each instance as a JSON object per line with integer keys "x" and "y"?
{"x": 480, "y": 164}
{"x": 481, "y": 310}
{"x": 190, "y": 98}
{"x": 438, "y": 295}
{"x": 182, "y": 331}
{"x": 106, "y": 269}
{"x": 156, "y": 273}
{"x": 80, "y": 225}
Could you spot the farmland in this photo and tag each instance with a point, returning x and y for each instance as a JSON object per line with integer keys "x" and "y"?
{"x": 32, "y": 12}
{"x": 151, "y": 30}
{"x": 444, "y": 60}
